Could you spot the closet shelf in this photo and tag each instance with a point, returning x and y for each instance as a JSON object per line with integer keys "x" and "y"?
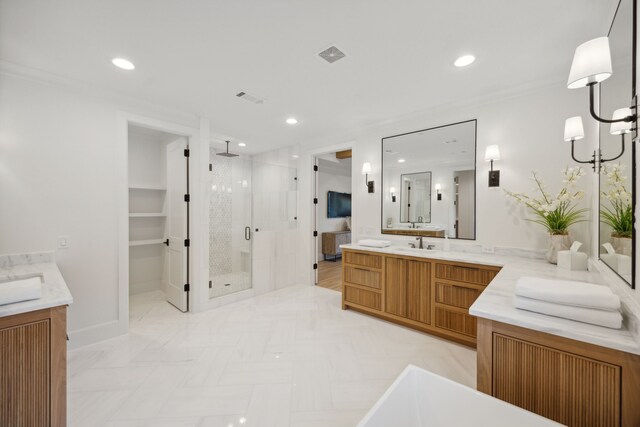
{"x": 146, "y": 187}
{"x": 146, "y": 242}
{"x": 147, "y": 215}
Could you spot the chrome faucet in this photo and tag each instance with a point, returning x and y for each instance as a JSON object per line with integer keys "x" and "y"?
{"x": 420, "y": 245}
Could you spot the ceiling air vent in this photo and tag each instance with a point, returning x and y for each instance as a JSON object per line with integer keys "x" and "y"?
{"x": 250, "y": 98}
{"x": 331, "y": 55}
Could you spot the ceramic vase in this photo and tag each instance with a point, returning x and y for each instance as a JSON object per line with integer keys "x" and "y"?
{"x": 622, "y": 245}
{"x": 557, "y": 242}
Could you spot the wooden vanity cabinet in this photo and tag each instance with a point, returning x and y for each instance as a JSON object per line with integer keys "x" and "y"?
{"x": 362, "y": 277}
{"x": 33, "y": 368}
{"x": 408, "y": 289}
{"x": 430, "y": 295}
{"x": 571, "y": 382}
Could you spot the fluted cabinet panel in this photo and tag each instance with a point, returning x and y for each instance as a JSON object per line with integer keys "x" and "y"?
{"x": 24, "y": 375}
{"x": 570, "y": 389}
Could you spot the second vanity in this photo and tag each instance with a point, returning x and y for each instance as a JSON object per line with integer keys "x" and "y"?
{"x": 406, "y": 286}
{"x": 571, "y": 372}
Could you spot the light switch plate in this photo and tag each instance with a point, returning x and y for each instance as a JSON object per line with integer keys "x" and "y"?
{"x": 63, "y": 242}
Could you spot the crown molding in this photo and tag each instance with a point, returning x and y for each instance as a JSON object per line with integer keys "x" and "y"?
{"x": 123, "y": 101}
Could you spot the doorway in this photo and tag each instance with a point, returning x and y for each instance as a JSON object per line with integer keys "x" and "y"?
{"x": 332, "y": 219}
{"x": 158, "y": 210}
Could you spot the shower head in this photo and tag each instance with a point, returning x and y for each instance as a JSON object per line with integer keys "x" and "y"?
{"x": 227, "y": 154}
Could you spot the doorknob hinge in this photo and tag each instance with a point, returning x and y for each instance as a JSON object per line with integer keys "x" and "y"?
{"x": 315, "y": 234}
{"x": 315, "y": 168}
{"x": 315, "y": 266}
{"x": 187, "y": 198}
{"x": 186, "y": 152}
{"x": 187, "y": 243}
{"x": 186, "y": 287}
{"x": 315, "y": 200}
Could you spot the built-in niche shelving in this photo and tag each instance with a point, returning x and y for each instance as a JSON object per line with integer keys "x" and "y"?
{"x": 147, "y": 210}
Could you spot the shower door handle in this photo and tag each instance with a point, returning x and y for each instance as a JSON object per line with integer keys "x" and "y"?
{"x": 247, "y": 233}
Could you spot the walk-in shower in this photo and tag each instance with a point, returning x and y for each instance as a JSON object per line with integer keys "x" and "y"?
{"x": 230, "y": 222}
{"x": 251, "y": 199}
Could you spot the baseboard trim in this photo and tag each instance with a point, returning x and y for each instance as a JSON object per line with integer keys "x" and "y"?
{"x": 93, "y": 334}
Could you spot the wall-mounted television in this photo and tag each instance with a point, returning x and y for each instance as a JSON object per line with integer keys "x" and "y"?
{"x": 338, "y": 204}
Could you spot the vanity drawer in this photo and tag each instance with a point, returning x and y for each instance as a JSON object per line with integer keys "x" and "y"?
{"x": 362, "y": 277}
{"x": 361, "y": 297}
{"x": 456, "y": 321}
{"x": 467, "y": 274}
{"x": 456, "y": 295}
{"x": 365, "y": 260}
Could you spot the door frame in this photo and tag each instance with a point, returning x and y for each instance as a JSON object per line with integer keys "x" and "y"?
{"x": 313, "y": 186}
{"x": 193, "y": 136}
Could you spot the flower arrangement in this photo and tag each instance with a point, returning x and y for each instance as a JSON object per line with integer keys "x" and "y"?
{"x": 619, "y": 215}
{"x": 557, "y": 213}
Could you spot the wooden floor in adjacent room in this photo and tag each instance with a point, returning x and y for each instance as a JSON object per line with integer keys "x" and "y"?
{"x": 330, "y": 274}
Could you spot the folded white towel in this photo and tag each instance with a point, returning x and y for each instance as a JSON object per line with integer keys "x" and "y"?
{"x": 374, "y": 243}
{"x": 20, "y": 290}
{"x": 567, "y": 292}
{"x": 608, "y": 319}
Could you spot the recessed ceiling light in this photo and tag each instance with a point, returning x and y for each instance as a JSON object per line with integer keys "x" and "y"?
{"x": 241, "y": 144}
{"x": 465, "y": 60}
{"x": 295, "y": 156}
{"x": 292, "y": 121}
{"x": 123, "y": 64}
{"x": 400, "y": 160}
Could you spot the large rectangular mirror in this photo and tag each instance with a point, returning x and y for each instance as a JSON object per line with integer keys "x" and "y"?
{"x": 429, "y": 182}
{"x": 617, "y": 177}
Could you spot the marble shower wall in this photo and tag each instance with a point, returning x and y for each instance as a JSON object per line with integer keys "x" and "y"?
{"x": 276, "y": 247}
{"x": 220, "y": 215}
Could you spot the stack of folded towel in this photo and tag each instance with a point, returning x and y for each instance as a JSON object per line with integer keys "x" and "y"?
{"x": 374, "y": 243}
{"x": 579, "y": 301}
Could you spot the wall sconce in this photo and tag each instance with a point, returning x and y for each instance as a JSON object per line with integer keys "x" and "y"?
{"x": 574, "y": 131}
{"x": 392, "y": 190}
{"x": 438, "y": 192}
{"x": 490, "y": 155}
{"x": 366, "y": 170}
{"x": 592, "y": 65}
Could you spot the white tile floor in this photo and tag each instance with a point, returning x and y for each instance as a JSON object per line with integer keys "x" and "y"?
{"x": 287, "y": 358}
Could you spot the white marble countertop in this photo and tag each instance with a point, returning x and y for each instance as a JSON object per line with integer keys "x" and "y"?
{"x": 496, "y": 301}
{"x": 54, "y": 288}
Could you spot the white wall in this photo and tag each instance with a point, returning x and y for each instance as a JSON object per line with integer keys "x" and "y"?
{"x": 331, "y": 177}
{"x": 58, "y": 176}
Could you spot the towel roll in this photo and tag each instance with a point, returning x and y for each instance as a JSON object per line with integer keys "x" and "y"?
{"x": 578, "y": 294}
{"x": 608, "y": 319}
{"x": 20, "y": 290}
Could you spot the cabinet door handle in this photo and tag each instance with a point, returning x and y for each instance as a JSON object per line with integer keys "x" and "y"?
{"x": 247, "y": 233}
{"x": 166, "y": 242}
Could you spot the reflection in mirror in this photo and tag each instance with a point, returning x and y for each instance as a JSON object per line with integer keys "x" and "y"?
{"x": 415, "y": 197}
{"x": 428, "y": 182}
{"x": 616, "y": 179}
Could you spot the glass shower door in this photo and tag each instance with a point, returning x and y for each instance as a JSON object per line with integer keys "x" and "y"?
{"x": 230, "y": 224}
